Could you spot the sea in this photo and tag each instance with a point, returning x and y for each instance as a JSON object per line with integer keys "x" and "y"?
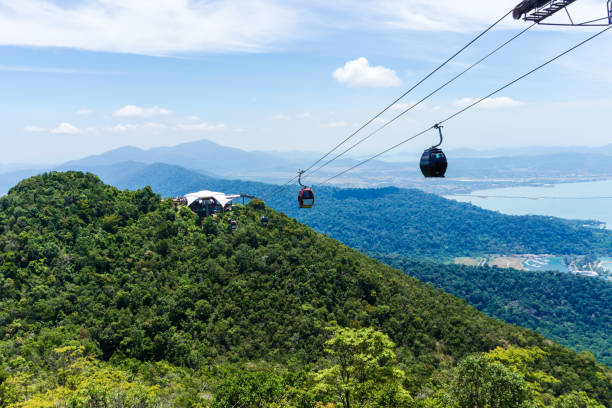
{"x": 577, "y": 201}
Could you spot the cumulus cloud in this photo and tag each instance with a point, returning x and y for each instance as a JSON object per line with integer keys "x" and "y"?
{"x": 139, "y": 111}
{"x": 33, "y": 129}
{"x": 359, "y": 73}
{"x": 84, "y": 112}
{"x": 66, "y": 128}
{"x": 489, "y": 103}
{"x": 201, "y": 127}
{"x": 281, "y": 116}
{"x": 148, "y": 27}
{"x": 304, "y": 115}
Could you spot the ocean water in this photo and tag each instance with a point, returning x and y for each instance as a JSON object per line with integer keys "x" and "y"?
{"x": 570, "y": 200}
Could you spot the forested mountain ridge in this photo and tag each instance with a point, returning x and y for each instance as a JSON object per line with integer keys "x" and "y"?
{"x": 94, "y": 281}
{"x": 572, "y": 310}
{"x": 388, "y": 220}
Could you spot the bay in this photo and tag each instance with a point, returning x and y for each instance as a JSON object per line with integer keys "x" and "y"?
{"x": 578, "y": 201}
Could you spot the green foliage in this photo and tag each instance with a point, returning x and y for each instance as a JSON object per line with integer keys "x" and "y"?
{"x": 391, "y": 220}
{"x": 481, "y": 383}
{"x": 167, "y": 306}
{"x": 576, "y": 400}
{"x": 251, "y": 389}
{"x": 362, "y": 372}
{"x": 572, "y": 310}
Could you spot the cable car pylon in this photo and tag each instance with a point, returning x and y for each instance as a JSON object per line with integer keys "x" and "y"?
{"x": 540, "y": 10}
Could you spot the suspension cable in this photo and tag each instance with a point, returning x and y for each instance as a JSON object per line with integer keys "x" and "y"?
{"x": 411, "y": 89}
{"x": 423, "y": 99}
{"x": 439, "y": 67}
{"x": 470, "y": 105}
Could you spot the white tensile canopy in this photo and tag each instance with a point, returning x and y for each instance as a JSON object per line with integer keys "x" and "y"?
{"x": 221, "y": 198}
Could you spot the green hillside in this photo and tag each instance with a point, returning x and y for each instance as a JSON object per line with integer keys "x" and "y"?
{"x": 572, "y": 310}
{"x": 112, "y": 296}
{"x": 389, "y": 220}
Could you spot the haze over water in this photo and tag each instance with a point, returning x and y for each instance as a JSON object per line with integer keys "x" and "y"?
{"x": 581, "y": 208}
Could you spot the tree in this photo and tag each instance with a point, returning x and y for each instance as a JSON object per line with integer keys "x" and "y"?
{"x": 480, "y": 382}
{"x": 361, "y": 372}
{"x": 250, "y": 389}
{"x": 576, "y": 400}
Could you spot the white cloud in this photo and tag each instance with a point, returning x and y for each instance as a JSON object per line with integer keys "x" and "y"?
{"x": 416, "y": 15}
{"x": 137, "y": 126}
{"x": 66, "y": 128}
{"x": 139, "y": 111}
{"x": 201, "y": 127}
{"x": 359, "y": 73}
{"x": 33, "y": 129}
{"x": 84, "y": 112}
{"x": 337, "y": 124}
{"x": 380, "y": 121}
{"x": 404, "y": 106}
{"x": 159, "y": 27}
{"x": 489, "y": 103}
{"x": 282, "y": 116}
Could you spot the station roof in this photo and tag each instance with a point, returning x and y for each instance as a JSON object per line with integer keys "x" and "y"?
{"x": 221, "y": 198}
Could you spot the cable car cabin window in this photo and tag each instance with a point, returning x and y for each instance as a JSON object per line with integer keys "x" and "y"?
{"x": 306, "y": 198}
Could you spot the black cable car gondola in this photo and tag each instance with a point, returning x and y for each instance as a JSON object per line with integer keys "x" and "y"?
{"x": 433, "y": 160}
{"x": 233, "y": 225}
{"x": 264, "y": 220}
{"x": 306, "y": 195}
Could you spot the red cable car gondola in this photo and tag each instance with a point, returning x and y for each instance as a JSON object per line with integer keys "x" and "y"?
{"x": 306, "y": 196}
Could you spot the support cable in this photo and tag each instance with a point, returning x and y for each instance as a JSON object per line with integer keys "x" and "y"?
{"x": 592, "y": 37}
{"x": 411, "y": 89}
{"x": 397, "y": 100}
{"x": 423, "y": 99}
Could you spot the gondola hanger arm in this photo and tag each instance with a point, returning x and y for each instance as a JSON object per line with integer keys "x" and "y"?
{"x": 439, "y": 127}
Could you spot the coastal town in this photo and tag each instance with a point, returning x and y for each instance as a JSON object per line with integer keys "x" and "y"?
{"x": 583, "y": 265}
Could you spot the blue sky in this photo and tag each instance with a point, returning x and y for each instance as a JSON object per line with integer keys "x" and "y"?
{"x": 80, "y": 77}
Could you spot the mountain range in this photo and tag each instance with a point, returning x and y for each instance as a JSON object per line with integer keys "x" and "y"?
{"x": 468, "y": 170}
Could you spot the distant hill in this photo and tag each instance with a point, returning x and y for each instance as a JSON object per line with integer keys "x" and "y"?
{"x": 164, "y": 307}
{"x": 390, "y": 220}
{"x": 469, "y": 170}
{"x": 532, "y": 151}
{"x": 205, "y": 156}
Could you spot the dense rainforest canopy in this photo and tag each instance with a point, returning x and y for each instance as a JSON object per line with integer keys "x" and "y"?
{"x": 390, "y": 220}
{"x": 573, "y": 310}
{"x": 112, "y": 295}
